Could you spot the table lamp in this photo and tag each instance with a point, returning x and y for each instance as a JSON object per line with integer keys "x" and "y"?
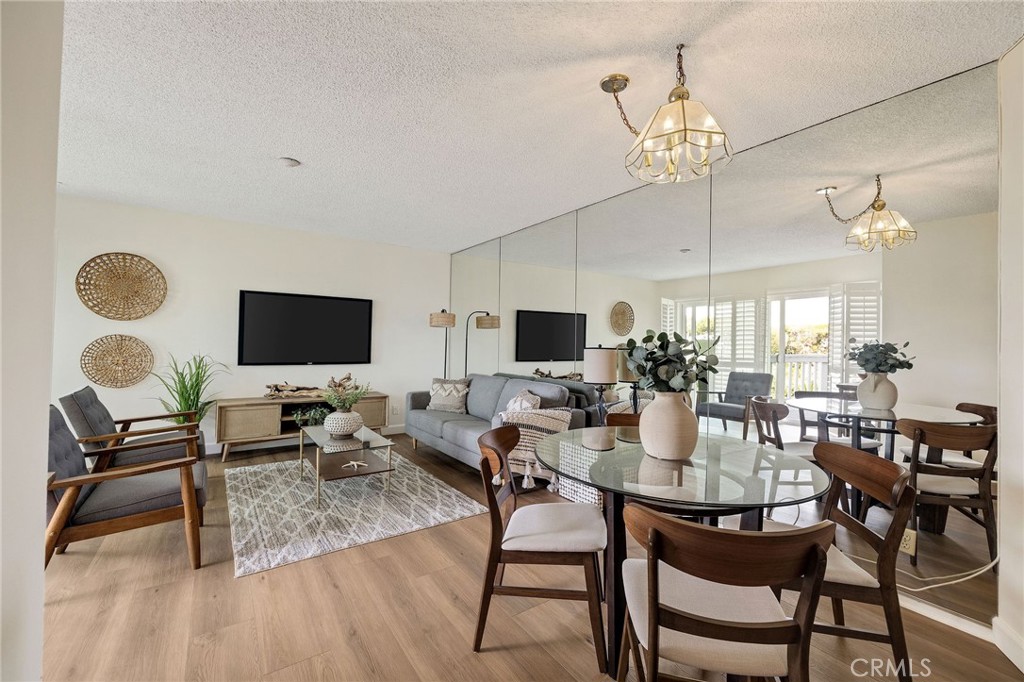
{"x": 600, "y": 369}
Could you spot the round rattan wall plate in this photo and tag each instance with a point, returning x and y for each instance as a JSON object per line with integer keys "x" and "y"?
{"x": 121, "y": 286}
{"x": 117, "y": 361}
{"x": 622, "y": 318}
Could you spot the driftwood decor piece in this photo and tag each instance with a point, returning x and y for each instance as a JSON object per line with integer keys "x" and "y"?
{"x": 117, "y": 361}
{"x": 286, "y": 390}
{"x": 622, "y": 318}
{"x": 121, "y": 286}
{"x": 571, "y": 376}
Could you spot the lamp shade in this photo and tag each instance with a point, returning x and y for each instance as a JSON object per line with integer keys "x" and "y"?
{"x": 488, "y": 322}
{"x": 600, "y": 366}
{"x": 681, "y": 142}
{"x": 625, "y": 375}
{"x": 884, "y": 227}
{"x": 442, "y": 319}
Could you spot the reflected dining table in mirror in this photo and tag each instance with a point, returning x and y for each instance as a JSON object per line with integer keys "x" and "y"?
{"x": 723, "y": 476}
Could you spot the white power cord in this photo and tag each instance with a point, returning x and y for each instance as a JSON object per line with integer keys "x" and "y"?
{"x": 950, "y": 579}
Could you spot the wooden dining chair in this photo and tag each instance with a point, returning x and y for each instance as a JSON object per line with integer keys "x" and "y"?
{"x": 567, "y": 534}
{"x": 989, "y": 415}
{"x": 623, "y": 419}
{"x": 704, "y": 597}
{"x": 889, "y": 483}
{"x": 767, "y": 416}
{"x": 810, "y": 428}
{"x": 940, "y": 487}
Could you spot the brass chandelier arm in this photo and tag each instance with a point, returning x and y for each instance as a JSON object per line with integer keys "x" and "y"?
{"x": 871, "y": 206}
{"x": 622, "y": 115}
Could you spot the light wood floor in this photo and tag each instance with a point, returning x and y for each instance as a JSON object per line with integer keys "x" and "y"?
{"x": 127, "y": 607}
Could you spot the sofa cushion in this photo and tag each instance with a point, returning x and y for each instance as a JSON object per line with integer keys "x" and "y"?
{"x": 88, "y": 416}
{"x": 448, "y": 395}
{"x": 465, "y": 433}
{"x": 586, "y": 392}
{"x": 484, "y": 391}
{"x": 550, "y": 395}
{"x": 136, "y": 494}
{"x": 432, "y": 422}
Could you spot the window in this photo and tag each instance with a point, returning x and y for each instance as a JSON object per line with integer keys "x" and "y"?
{"x": 855, "y": 311}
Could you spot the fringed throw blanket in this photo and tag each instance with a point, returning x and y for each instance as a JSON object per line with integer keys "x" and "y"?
{"x": 534, "y": 425}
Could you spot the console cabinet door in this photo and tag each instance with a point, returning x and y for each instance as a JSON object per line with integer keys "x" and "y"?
{"x": 374, "y": 410}
{"x": 242, "y": 422}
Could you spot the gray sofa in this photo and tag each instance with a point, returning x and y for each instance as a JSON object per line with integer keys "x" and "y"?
{"x": 582, "y": 396}
{"x": 455, "y": 434}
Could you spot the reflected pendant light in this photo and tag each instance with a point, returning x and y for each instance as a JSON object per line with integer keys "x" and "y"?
{"x": 875, "y": 225}
{"x": 681, "y": 142}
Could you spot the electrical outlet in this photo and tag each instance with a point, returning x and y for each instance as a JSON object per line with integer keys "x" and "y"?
{"x": 909, "y": 542}
{"x": 394, "y": 410}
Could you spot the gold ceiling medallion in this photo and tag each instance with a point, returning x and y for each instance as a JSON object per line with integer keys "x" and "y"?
{"x": 681, "y": 142}
{"x": 875, "y": 225}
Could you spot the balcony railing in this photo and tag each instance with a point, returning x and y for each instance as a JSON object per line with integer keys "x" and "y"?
{"x": 801, "y": 373}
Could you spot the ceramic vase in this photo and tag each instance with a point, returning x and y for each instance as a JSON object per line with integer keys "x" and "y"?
{"x": 343, "y": 424}
{"x": 668, "y": 427}
{"x": 877, "y": 392}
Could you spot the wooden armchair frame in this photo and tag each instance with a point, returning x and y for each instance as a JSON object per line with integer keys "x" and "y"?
{"x": 59, "y": 534}
{"x": 115, "y": 442}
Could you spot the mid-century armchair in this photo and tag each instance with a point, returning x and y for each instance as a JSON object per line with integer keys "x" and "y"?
{"x": 734, "y": 402}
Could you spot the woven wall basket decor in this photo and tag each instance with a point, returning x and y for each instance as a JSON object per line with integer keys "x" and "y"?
{"x": 621, "y": 318}
{"x": 121, "y": 286}
{"x": 117, "y": 361}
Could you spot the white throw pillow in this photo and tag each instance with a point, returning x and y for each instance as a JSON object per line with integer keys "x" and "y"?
{"x": 524, "y": 400}
{"x": 449, "y": 395}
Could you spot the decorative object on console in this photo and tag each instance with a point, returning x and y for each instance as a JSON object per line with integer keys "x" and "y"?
{"x": 485, "y": 321}
{"x": 600, "y": 368}
{"x": 534, "y": 425}
{"x": 681, "y": 141}
{"x": 342, "y": 394}
{"x": 116, "y": 361}
{"x": 571, "y": 376}
{"x": 621, "y": 318}
{"x": 670, "y": 367}
{"x": 286, "y": 390}
{"x": 187, "y": 385}
{"x": 447, "y": 320}
{"x": 449, "y": 395}
{"x": 879, "y": 360}
{"x": 121, "y": 286}
{"x": 875, "y": 224}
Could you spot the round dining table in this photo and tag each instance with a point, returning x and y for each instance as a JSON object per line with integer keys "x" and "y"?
{"x": 723, "y": 476}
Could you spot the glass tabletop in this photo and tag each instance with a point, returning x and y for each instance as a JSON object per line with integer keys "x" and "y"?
{"x": 723, "y": 471}
{"x": 363, "y": 439}
{"x": 852, "y": 408}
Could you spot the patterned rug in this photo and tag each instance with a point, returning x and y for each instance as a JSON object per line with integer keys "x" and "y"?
{"x": 275, "y": 521}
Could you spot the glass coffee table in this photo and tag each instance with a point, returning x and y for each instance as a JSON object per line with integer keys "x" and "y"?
{"x": 338, "y": 458}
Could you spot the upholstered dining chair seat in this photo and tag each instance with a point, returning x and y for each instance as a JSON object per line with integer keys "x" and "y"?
{"x": 556, "y": 527}
{"x": 865, "y": 443}
{"x": 840, "y": 568}
{"x": 798, "y": 448}
{"x": 947, "y": 485}
{"x": 712, "y": 600}
{"x": 954, "y": 460}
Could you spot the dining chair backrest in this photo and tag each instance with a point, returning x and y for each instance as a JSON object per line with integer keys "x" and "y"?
{"x": 989, "y": 414}
{"x": 738, "y": 558}
{"x": 878, "y": 478}
{"x": 812, "y": 421}
{"x": 499, "y": 486}
{"x": 766, "y": 418}
{"x": 622, "y": 419}
{"x": 957, "y": 438}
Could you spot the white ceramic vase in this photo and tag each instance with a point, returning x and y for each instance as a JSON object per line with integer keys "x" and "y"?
{"x": 668, "y": 427}
{"x": 876, "y": 392}
{"x": 343, "y": 424}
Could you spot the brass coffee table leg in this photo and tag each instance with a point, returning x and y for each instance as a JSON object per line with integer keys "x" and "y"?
{"x": 302, "y": 440}
{"x": 387, "y": 476}
{"x": 318, "y": 477}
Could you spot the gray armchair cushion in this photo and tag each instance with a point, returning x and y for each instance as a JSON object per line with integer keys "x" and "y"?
{"x": 137, "y": 494}
{"x": 720, "y": 411}
{"x": 65, "y": 458}
{"x": 483, "y": 396}
{"x": 742, "y": 384}
{"x": 88, "y": 416}
{"x": 432, "y": 421}
{"x": 159, "y": 452}
{"x": 550, "y": 395}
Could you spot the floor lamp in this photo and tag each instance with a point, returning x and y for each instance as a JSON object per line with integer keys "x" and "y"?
{"x": 485, "y": 321}
{"x": 447, "y": 320}
{"x": 600, "y": 367}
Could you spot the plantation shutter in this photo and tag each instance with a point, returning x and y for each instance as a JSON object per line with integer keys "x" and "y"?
{"x": 837, "y": 338}
{"x": 668, "y": 316}
{"x": 856, "y": 312}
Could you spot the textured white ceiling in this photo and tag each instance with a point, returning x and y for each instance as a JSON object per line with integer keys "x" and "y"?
{"x": 441, "y": 125}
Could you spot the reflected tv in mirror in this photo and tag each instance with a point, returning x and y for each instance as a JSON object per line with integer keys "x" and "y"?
{"x": 299, "y": 329}
{"x": 545, "y": 336}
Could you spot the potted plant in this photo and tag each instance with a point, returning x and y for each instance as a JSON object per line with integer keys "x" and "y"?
{"x": 187, "y": 385}
{"x": 342, "y": 394}
{"x": 670, "y": 366}
{"x": 879, "y": 360}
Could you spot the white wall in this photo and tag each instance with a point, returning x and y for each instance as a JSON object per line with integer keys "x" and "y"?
{"x": 1008, "y": 626}
{"x": 474, "y": 287}
{"x": 941, "y": 294}
{"x": 207, "y": 261}
{"x": 31, "y": 41}
{"x": 798, "y": 276}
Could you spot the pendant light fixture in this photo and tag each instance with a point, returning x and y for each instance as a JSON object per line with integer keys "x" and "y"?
{"x": 681, "y": 142}
{"x": 874, "y": 225}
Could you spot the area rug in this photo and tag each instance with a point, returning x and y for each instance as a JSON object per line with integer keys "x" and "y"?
{"x": 275, "y": 520}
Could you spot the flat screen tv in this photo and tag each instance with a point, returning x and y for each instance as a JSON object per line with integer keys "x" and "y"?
{"x": 543, "y": 337}
{"x": 297, "y": 329}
